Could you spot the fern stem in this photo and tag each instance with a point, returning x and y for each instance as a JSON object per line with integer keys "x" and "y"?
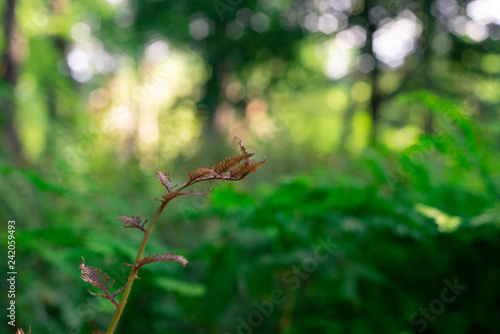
{"x": 133, "y": 272}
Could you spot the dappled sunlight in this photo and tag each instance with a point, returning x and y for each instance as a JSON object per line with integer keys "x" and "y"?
{"x": 320, "y": 131}
{"x": 120, "y": 118}
{"x": 400, "y": 139}
{"x": 484, "y": 11}
{"x": 137, "y": 97}
{"x": 445, "y": 222}
{"x": 359, "y": 138}
{"x": 143, "y": 107}
{"x": 396, "y": 39}
{"x": 200, "y": 27}
{"x": 88, "y": 56}
{"x": 341, "y": 51}
{"x": 35, "y": 124}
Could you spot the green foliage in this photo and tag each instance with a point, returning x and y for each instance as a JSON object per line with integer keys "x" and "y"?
{"x": 388, "y": 259}
{"x": 393, "y": 166}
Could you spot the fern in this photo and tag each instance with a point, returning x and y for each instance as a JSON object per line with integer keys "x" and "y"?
{"x": 165, "y": 180}
{"x": 100, "y": 280}
{"x": 230, "y": 169}
{"x": 201, "y": 172}
{"x": 231, "y": 162}
{"x": 247, "y": 170}
{"x": 242, "y": 146}
{"x": 134, "y": 222}
{"x": 162, "y": 258}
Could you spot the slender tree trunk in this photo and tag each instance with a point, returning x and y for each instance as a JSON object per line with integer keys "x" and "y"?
{"x": 429, "y": 29}
{"x": 374, "y": 106}
{"x": 212, "y": 98}
{"x": 9, "y": 77}
{"x": 374, "y": 75}
{"x": 51, "y": 82}
{"x": 210, "y": 102}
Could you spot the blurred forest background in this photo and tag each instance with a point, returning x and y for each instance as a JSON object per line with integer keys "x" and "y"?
{"x": 379, "y": 120}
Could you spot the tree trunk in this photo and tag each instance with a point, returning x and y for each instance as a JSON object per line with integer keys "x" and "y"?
{"x": 374, "y": 74}
{"x": 9, "y": 77}
{"x": 51, "y": 83}
{"x": 374, "y": 106}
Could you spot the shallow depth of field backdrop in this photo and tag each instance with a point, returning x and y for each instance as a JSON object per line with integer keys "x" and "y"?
{"x": 378, "y": 208}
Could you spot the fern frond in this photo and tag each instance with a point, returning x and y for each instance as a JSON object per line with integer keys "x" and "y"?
{"x": 100, "y": 280}
{"x": 233, "y": 168}
{"x": 242, "y": 146}
{"x": 200, "y": 172}
{"x": 238, "y": 171}
{"x": 230, "y": 162}
{"x": 165, "y": 180}
{"x": 95, "y": 276}
{"x": 252, "y": 168}
{"x": 134, "y": 222}
{"x": 162, "y": 258}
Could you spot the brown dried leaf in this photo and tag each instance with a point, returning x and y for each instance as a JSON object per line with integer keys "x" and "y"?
{"x": 134, "y": 221}
{"x": 95, "y": 276}
{"x": 20, "y": 331}
{"x": 230, "y": 162}
{"x": 162, "y": 258}
{"x": 200, "y": 172}
{"x": 242, "y": 146}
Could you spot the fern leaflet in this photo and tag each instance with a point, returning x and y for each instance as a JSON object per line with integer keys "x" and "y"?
{"x": 162, "y": 258}
{"x": 100, "y": 280}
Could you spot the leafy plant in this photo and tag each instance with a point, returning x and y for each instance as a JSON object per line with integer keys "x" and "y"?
{"x": 232, "y": 168}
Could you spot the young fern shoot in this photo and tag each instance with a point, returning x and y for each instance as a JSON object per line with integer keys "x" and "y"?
{"x": 100, "y": 280}
{"x": 232, "y": 168}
